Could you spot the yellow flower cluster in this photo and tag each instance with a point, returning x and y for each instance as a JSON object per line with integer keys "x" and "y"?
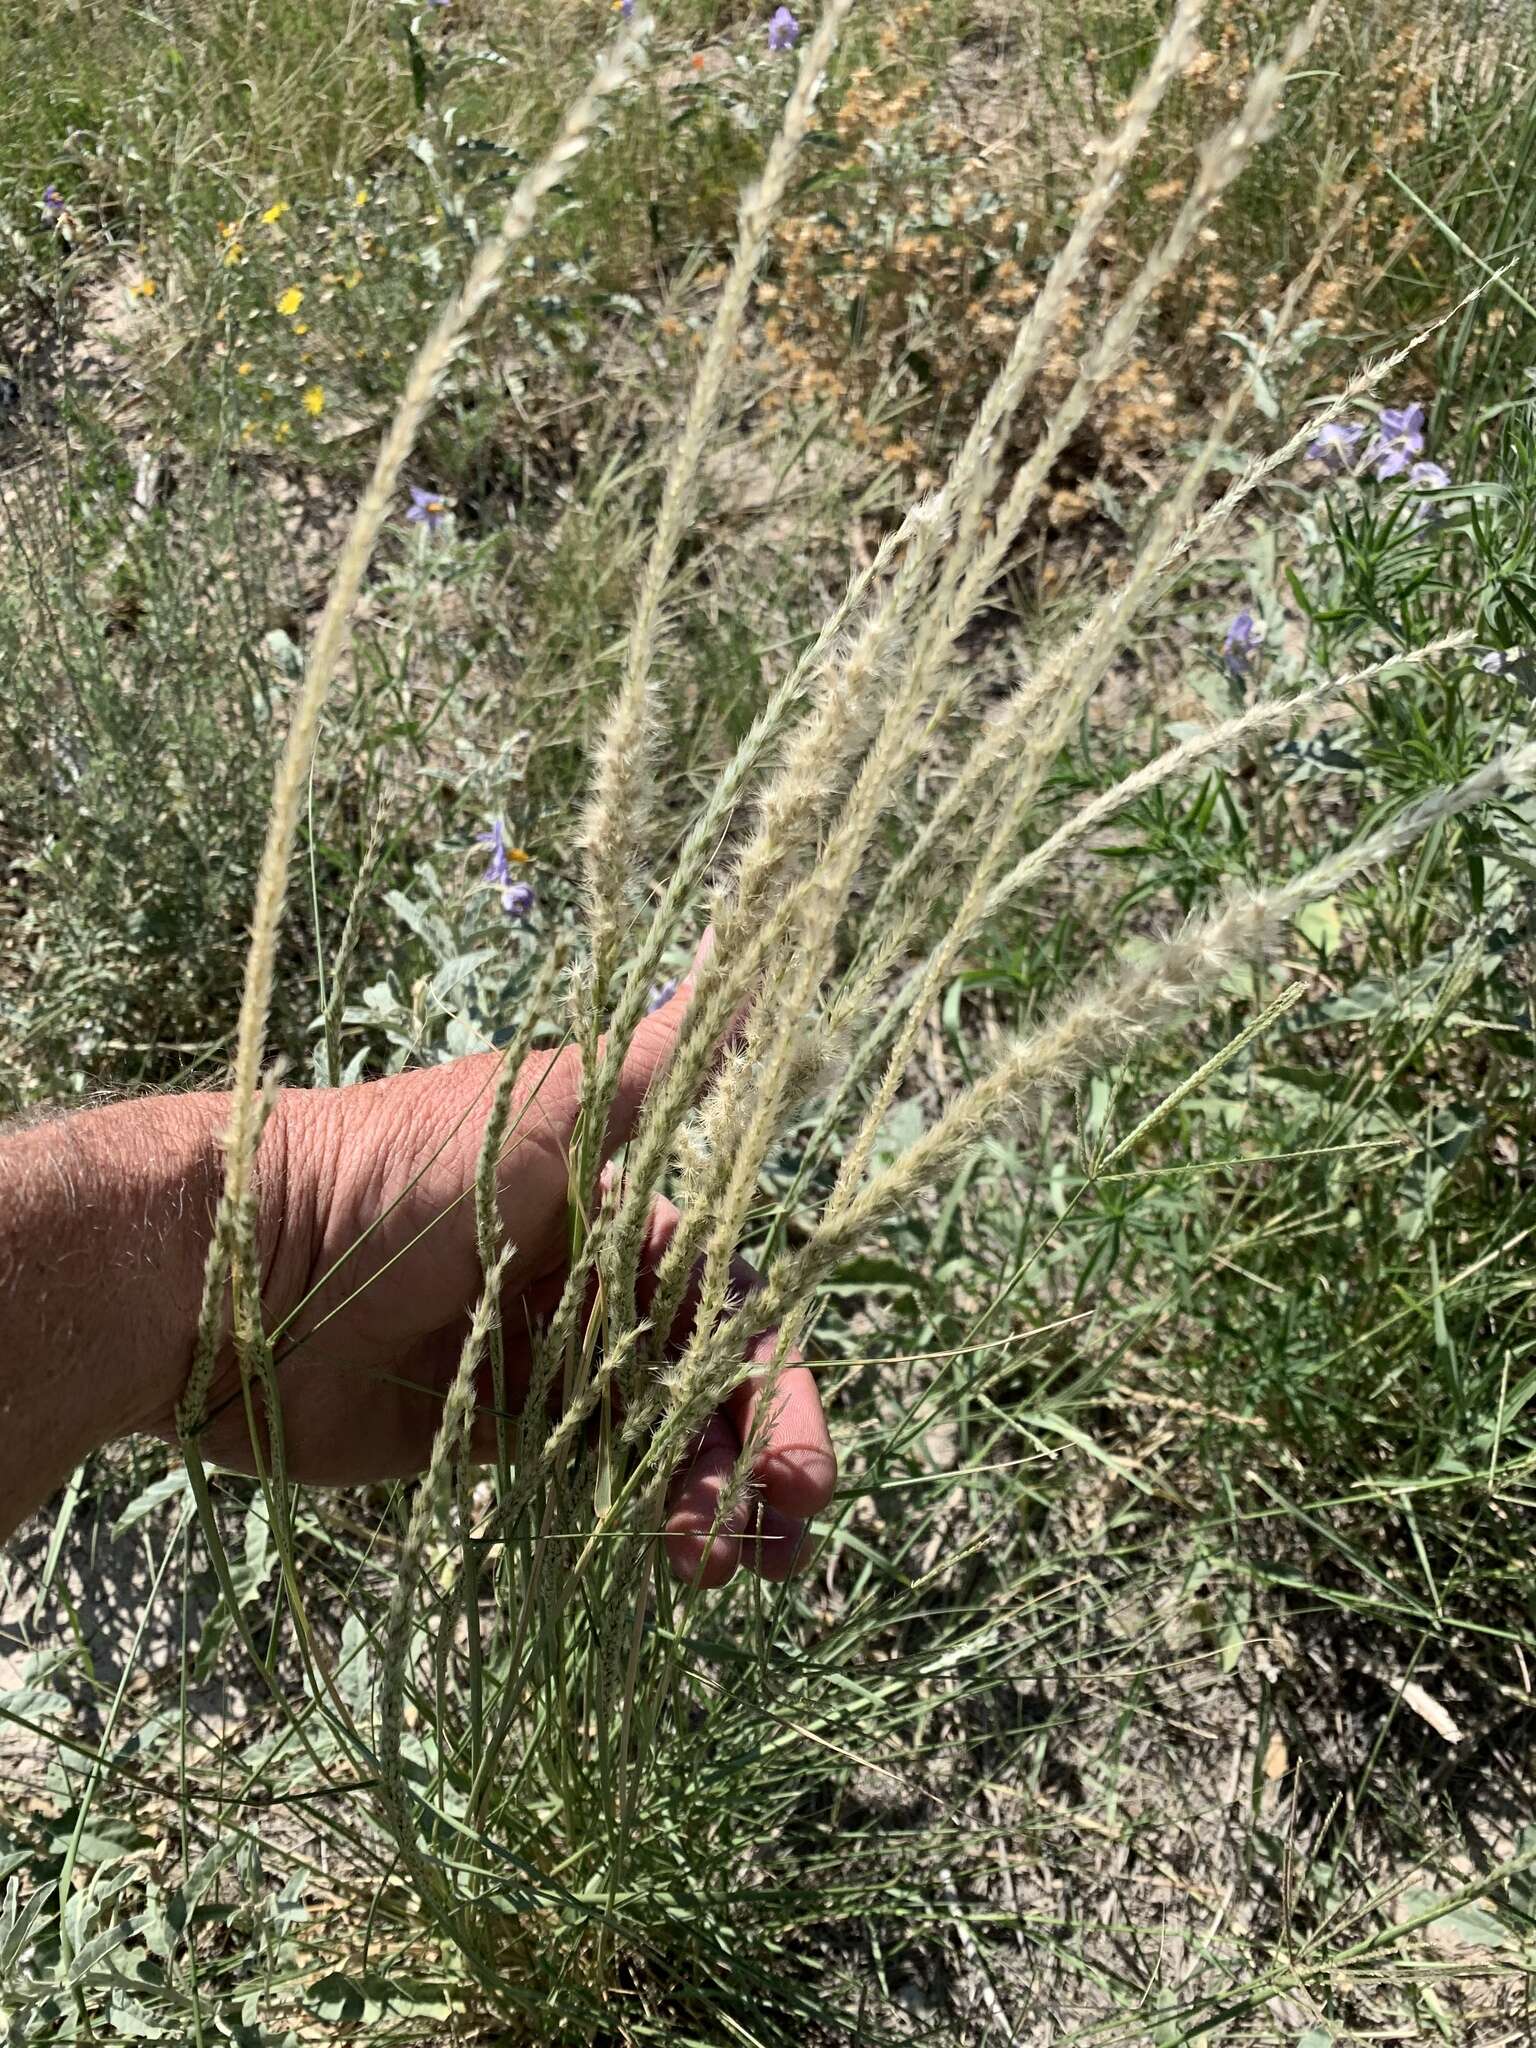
{"x": 287, "y": 303}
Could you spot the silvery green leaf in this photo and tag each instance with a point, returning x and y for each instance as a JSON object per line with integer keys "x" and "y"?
{"x": 17, "y": 1925}
{"x": 154, "y": 1923}
{"x": 172, "y": 1485}
{"x": 429, "y": 928}
{"x": 35, "y": 1703}
{"x": 98, "y": 1947}
{"x": 455, "y": 972}
{"x": 132, "y": 2022}
{"x": 207, "y": 1868}
{"x": 283, "y": 654}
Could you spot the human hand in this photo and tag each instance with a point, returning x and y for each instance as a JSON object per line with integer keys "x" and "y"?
{"x": 371, "y": 1272}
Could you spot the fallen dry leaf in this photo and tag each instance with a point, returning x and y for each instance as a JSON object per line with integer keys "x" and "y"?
{"x": 1429, "y": 1709}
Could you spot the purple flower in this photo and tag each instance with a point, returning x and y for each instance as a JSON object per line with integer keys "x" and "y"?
{"x": 1244, "y": 637}
{"x": 427, "y": 509}
{"x": 53, "y": 204}
{"x": 1399, "y": 438}
{"x": 1335, "y": 443}
{"x": 624, "y": 7}
{"x": 783, "y": 30}
{"x": 1429, "y": 476}
{"x": 516, "y": 897}
{"x": 662, "y": 994}
{"x": 499, "y": 868}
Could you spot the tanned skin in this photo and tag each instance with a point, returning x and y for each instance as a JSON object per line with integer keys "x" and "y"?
{"x": 369, "y": 1264}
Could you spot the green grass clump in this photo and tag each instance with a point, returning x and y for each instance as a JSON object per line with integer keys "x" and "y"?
{"x": 1130, "y": 1113}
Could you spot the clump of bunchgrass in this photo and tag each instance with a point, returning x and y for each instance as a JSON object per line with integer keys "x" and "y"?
{"x": 545, "y": 1663}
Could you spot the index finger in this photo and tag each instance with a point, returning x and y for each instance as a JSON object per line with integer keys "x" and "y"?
{"x": 651, "y": 1049}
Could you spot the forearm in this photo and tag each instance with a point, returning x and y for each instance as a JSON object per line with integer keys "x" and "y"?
{"x": 105, "y": 1219}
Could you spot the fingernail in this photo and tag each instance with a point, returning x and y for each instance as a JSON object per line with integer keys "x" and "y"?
{"x": 703, "y": 952}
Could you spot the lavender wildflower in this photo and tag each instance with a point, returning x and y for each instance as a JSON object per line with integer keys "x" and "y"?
{"x": 783, "y": 30}
{"x": 1243, "y": 639}
{"x": 496, "y": 840}
{"x": 624, "y": 7}
{"x": 1399, "y": 438}
{"x": 53, "y": 203}
{"x": 1429, "y": 476}
{"x": 1335, "y": 443}
{"x": 427, "y": 509}
{"x": 662, "y": 994}
{"x": 500, "y": 865}
{"x": 516, "y": 897}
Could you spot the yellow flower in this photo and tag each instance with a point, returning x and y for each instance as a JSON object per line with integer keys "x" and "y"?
{"x": 362, "y": 197}
{"x": 515, "y": 852}
{"x": 227, "y": 228}
{"x": 301, "y": 327}
{"x": 233, "y": 254}
{"x": 352, "y": 279}
{"x": 291, "y": 300}
{"x": 314, "y": 401}
{"x": 274, "y": 214}
{"x": 244, "y": 369}
{"x": 144, "y": 289}
{"x": 281, "y": 431}
{"x": 247, "y": 429}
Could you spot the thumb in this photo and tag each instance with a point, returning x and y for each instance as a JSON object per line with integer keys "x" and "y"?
{"x": 651, "y": 1048}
